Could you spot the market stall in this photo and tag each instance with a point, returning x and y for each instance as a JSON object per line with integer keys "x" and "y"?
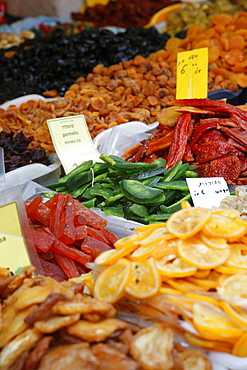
{"x": 123, "y": 171}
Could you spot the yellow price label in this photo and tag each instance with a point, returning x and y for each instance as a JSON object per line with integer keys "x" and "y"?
{"x": 13, "y": 249}
{"x": 192, "y": 74}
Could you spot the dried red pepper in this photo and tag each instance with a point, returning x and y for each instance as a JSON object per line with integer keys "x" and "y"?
{"x": 180, "y": 138}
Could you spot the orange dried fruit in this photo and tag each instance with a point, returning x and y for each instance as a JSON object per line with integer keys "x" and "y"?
{"x": 224, "y": 227}
{"x": 240, "y": 347}
{"x": 144, "y": 280}
{"x": 237, "y": 258}
{"x": 233, "y": 288}
{"x": 209, "y": 319}
{"x": 110, "y": 284}
{"x": 113, "y": 255}
{"x": 188, "y": 221}
{"x": 173, "y": 266}
{"x": 236, "y": 314}
{"x": 212, "y": 345}
{"x": 198, "y": 254}
{"x": 214, "y": 242}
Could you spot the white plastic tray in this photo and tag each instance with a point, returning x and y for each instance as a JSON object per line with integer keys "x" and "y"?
{"x": 40, "y": 173}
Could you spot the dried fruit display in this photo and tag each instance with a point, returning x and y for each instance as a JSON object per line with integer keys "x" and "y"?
{"x": 66, "y": 235}
{"x": 50, "y": 325}
{"x": 226, "y": 41}
{"x": 8, "y": 40}
{"x": 121, "y": 13}
{"x": 209, "y": 134}
{"x": 56, "y": 61}
{"x": 192, "y": 268}
{"x": 133, "y": 90}
{"x": 19, "y": 152}
{"x": 190, "y": 13}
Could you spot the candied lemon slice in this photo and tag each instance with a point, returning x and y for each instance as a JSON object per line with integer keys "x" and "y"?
{"x": 209, "y": 319}
{"x": 188, "y": 221}
{"x": 233, "y": 288}
{"x": 198, "y": 254}
{"x": 236, "y": 314}
{"x": 173, "y": 266}
{"x": 227, "y": 212}
{"x": 240, "y": 347}
{"x": 144, "y": 280}
{"x": 223, "y": 227}
{"x": 113, "y": 255}
{"x": 198, "y": 341}
{"x": 214, "y": 242}
{"x": 142, "y": 253}
{"x": 111, "y": 283}
{"x": 132, "y": 239}
{"x": 185, "y": 286}
{"x": 237, "y": 258}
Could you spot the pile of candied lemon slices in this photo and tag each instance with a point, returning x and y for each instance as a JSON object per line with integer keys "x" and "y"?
{"x": 197, "y": 263}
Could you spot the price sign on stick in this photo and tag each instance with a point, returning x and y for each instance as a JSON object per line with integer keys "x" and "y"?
{"x": 192, "y": 74}
{"x": 207, "y": 192}
{"x": 72, "y": 141}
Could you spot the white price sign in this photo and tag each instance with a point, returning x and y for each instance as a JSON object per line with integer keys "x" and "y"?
{"x": 72, "y": 141}
{"x": 208, "y": 192}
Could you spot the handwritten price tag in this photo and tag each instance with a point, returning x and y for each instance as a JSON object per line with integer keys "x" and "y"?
{"x": 13, "y": 249}
{"x": 207, "y": 192}
{"x": 72, "y": 141}
{"x": 192, "y": 74}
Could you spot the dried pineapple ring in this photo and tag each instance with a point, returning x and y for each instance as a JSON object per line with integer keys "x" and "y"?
{"x": 188, "y": 221}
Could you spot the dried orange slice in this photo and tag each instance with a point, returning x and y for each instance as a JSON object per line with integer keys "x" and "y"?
{"x": 185, "y": 204}
{"x": 165, "y": 248}
{"x": 168, "y": 290}
{"x": 155, "y": 236}
{"x": 184, "y": 286}
{"x": 237, "y": 258}
{"x": 233, "y": 288}
{"x": 226, "y": 270}
{"x": 238, "y": 315}
{"x": 227, "y": 212}
{"x": 142, "y": 253}
{"x": 223, "y": 227}
{"x": 173, "y": 266}
{"x": 110, "y": 284}
{"x": 210, "y": 320}
{"x": 240, "y": 347}
{"x": 210, "y": 284}
{"x": 205, "y": 297}
{"x": 111, "y": 256}
{"x": 196, "y": 253}
{"x": 150, "y": 226}
{"x": 188, "y": 221}
{"x": 131, "y": 239}
{"x": 144, "y": 280}
{"x": 202, "y": 274}
{"x": 208, "y": 344}
{"x": 214, "y": 242}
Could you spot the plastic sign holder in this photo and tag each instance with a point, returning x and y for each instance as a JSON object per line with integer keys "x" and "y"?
{"x": 16, "y": 245}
